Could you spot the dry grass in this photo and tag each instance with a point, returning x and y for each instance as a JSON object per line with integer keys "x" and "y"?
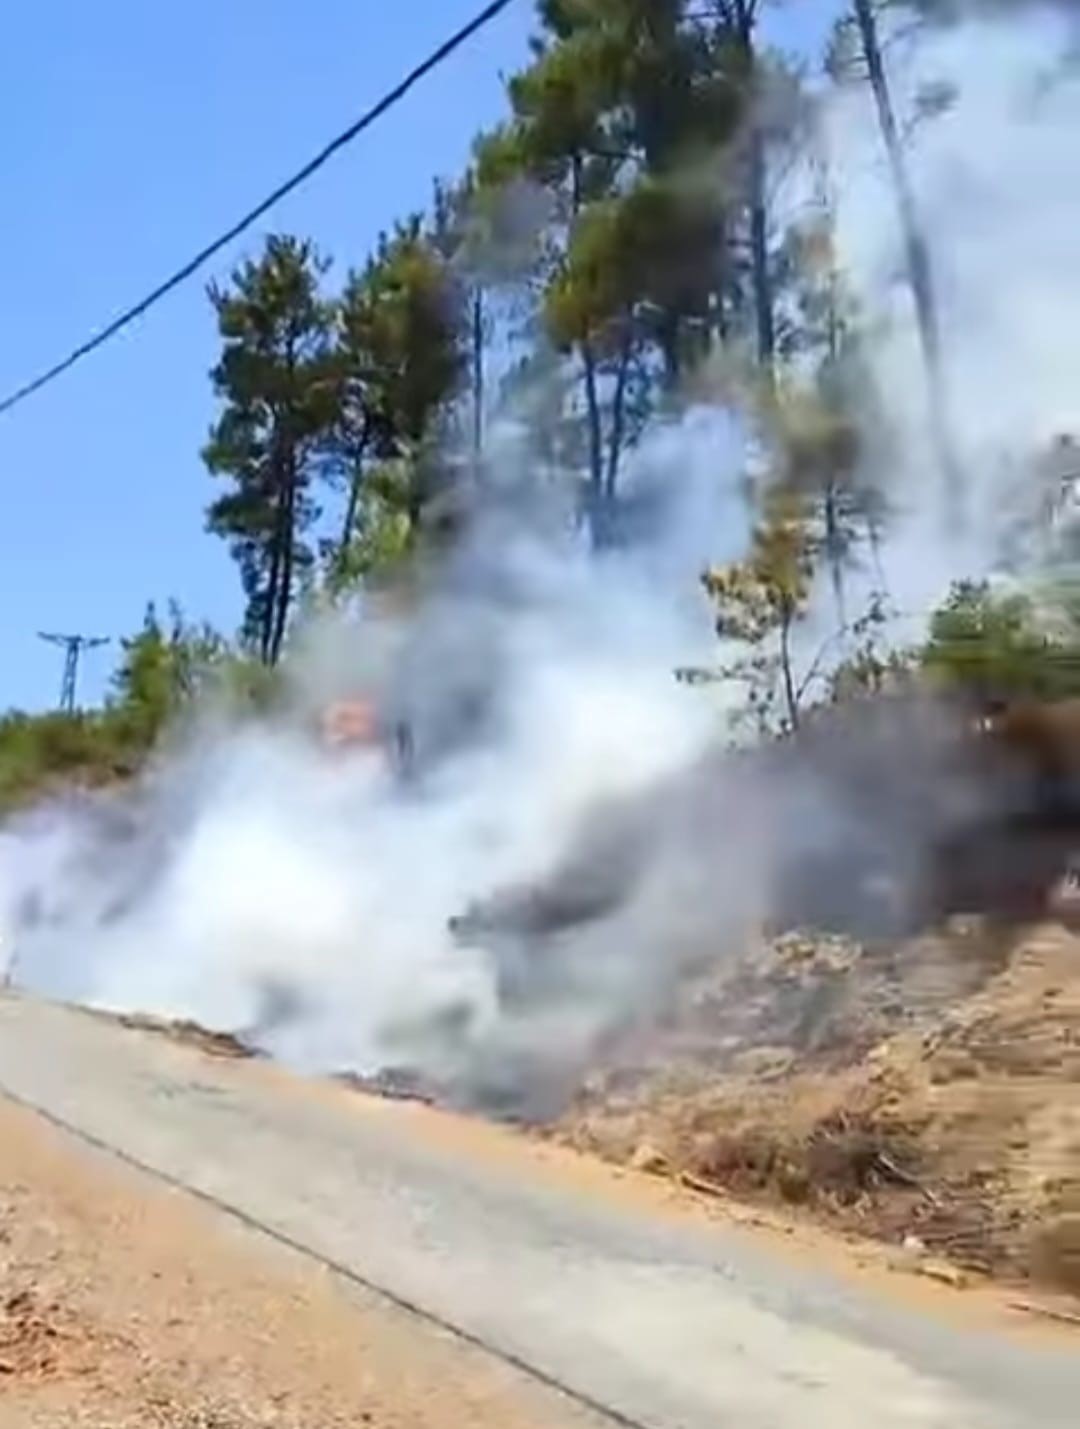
{"x": 927, "y": 1091}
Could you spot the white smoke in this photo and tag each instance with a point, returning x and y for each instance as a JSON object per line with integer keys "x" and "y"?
{"x": 254, "y": 882}
{"x": 997, "y": 181}
{"x": 307, "y": 896}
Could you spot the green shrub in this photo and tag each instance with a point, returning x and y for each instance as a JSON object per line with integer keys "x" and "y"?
{"x": 996, "y": 646}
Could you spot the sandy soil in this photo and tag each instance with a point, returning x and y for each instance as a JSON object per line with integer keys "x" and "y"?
{"x": 123, "y": 1303}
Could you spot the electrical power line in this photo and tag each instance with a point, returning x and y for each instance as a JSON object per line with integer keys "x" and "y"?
{"x": 73, "y": 647}
{"x": 388, "y": 102}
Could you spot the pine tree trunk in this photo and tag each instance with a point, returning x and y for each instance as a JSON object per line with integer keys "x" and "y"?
{"x": 593, "y": 422}
{"x": 759, "y": 257}
{"x": 356, "y": 482}
{"x": 720, "y": 309}
{"x": 348, "y": 523}
{"x": 669, "y": 343}
{"x": 596, "y": 439}
{"x": 790, "y": 695}
{"x": 287, "y": 536}
{"x": 834, "y": 547}
{"x": 478, "y": 374}
{"x": 273, "y": 585}
{"x": 618, "y": 422}
{"x": 764, "y": 303}
{"x": 919, "y": 266}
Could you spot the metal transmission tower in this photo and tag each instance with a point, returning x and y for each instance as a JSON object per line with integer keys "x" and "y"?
{"x": 73, "y": 647}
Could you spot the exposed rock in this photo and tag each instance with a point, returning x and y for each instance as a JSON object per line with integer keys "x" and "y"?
{"x": 650, "y": 1159}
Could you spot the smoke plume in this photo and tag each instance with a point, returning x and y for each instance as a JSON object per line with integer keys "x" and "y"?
{"x": 573, "y": 831}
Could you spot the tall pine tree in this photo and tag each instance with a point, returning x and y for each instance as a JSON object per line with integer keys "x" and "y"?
{"x": 274, "y": 379}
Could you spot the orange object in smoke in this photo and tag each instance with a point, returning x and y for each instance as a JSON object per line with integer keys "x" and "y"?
{"x": 350, "y": 722}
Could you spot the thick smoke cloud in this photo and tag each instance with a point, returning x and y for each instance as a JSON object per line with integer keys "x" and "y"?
{"x": 258, "y": 883}
{"x": 574, "y": 831}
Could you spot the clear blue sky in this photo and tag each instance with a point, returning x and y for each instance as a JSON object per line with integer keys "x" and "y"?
{"x": 131, "y": 134}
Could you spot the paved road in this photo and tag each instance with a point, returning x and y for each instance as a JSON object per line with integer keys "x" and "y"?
{"x": 665, "y": 1325}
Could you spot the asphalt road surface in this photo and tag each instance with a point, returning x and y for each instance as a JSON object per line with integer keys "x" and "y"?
{"x": 652, "y": 1320}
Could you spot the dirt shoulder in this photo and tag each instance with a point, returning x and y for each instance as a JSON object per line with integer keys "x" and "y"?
{"x": 123, "y": 1303}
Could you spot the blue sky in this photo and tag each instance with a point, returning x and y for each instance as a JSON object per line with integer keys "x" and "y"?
{"x": 131, "y": 134}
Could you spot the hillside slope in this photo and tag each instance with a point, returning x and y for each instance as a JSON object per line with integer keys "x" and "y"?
{"x": 926, "y": 1091}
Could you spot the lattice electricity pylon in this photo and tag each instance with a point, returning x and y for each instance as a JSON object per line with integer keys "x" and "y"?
{"x": 73, "y": 647}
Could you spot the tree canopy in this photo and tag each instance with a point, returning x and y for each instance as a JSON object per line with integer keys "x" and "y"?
{"x": 615, "y": 248}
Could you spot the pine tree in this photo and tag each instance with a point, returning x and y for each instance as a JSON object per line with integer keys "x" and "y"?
{"x": 275, "y": 381}
{"x": 399, "y": 358}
